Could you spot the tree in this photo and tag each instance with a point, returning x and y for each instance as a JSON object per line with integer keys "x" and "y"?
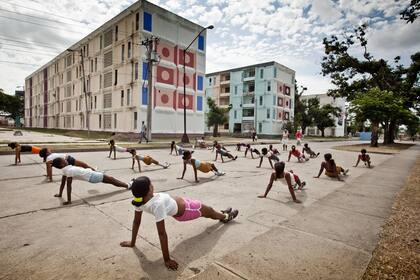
{"x": 411, "y": 13}
{"x": 325, "y": 116}
{"x": 216, "y": 116}
{"x": 11, "y": 104}
{"x": 309, "y": 109}
{"x": 353, "y": 75}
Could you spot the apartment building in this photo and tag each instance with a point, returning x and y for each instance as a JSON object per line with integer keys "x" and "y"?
{"x": 116, "y": 71}
{"x": 340, "y": 123}
{"x": 261, "y": 97}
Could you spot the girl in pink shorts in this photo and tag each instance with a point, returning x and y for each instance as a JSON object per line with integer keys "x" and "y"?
{"x": 162, "y": 205}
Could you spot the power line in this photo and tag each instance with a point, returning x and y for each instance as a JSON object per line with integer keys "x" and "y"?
{"x": 19, "y": 63}
{"x": 44, "y": 25}
{"x": 40, "y": 18}
{"x": 13, "y": 39}
{"x": 43, "y": 11}
{"x": 27, "y": 47}
{"x": 33, "y": 52}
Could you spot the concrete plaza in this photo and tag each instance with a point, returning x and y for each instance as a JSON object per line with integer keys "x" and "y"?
{"x": 329, "y": 236}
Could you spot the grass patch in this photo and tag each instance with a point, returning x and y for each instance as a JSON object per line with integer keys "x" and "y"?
{"x": 381, "y": 149}
{"x": 397, "y": 255}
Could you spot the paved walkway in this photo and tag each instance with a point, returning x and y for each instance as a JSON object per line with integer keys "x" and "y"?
{"x": 331, "y": 239}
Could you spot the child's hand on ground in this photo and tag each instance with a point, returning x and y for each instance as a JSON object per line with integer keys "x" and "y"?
{"x": 180, "y": 178}
{"x": 197, "y": 181}
{"x": 57, "y": 195}
{"x": 261, "y": 196}
{"x": 171, "y": 264}
{"x": 126, "y": 244}
{"x": 297, "y": 201}
{"x": 258, "y": 166}
{"x": 67, "y": 203}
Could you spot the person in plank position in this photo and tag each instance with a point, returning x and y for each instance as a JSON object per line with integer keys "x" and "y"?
{"x": 146, "y": 159}
{"x": 269, "y": 155}
{"x": 296, "y": 153}
{"x": 22, "y": 149}
{"x": 202, "y": 166}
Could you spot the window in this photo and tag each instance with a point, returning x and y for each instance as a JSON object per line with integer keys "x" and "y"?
{"x": 135, "y": 120}
{"x": 199, "y": 103}
{"x": 144, "y": 96}
{"x": 234, "y": 114}
{"x": 95, "y": 102}
{"x": 199, "y": 82}
{"x": 108, "y": 38}
{"x": 261, "y": 100}
{"x": 129, "y": 50}
{"x": 209, "y": 81}
{"x": 259, "y": 127}
{"x": 116, "y": 33}
{"x": 122, "y": 98}
{"x": 274, "y": 114}
{"x": 261, "y": 73}
{"x": 100, "y": 81}
{"x": 115, "y": 120}
{"x": 122, "y": 53}
{"x": 116, "y": 78}
{"x": 236, "y": 90}
{"x": 100, "y": 120}
{"x": 137, "y": 22}
{"x": 107, "y": 100}
{"x": 274, "y": 100}
{"x": 136, "y": 71}
{"x": 147, "y": 22}
{"x": 68, "y": 76}
{"x": 100, "y": 46}
{"x": 275, "y": 72}
{"x": 96, "y": 64}
{"x": 91, "y": 65}
{"x": 269, "y": 86}
{"x": 201, "y": 43}
{"x": 107, "y": 79}
{"x": 286, "y": 115}
{"x": 128, "y": 97}
{"x": 279, "y": 101}
{"x": 107, "y": 121}
{"x": 108, "y": 59}
{"x": 144, "y": 73}
{"x": 268, "y": 113}
{"x": 286, "y": 90}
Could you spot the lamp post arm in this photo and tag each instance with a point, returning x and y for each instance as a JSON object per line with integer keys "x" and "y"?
{"x": 185, "y": 50}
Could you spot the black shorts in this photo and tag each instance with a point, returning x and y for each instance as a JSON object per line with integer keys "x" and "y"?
{"x": 274, "y": 157}
{"x": 25, "y": 148}
{"x": 71, "y": 160}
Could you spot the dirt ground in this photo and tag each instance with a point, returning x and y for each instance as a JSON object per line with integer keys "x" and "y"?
{"x": 381, "y": 149}
{"x": 397, "y": 255}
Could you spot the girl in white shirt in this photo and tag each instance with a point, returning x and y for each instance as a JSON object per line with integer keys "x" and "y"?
{"x": 286, "y": 177}
{"x": 162, "y": 205}
{"x": 79, "y": 173}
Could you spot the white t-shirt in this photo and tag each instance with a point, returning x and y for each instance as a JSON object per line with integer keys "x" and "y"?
{"x": 53, "y": 156}
{"x": 120, "y": 149}
{"x": 161, "y": 205}
{"x": 77, "y": 172}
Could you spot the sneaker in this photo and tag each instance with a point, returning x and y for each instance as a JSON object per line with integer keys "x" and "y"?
{"x": 230, "y": 216}
{"x": 220, "y": 173}
{"x": 227, "y": 210}
{"x": 303, "y": 185}
{"x": 235, "y": 157}
{"x": 130, "y": 184}
{"x": 345, "y": 172}
{"x": 317, "y": 154}
{"x": 166, "y": 165}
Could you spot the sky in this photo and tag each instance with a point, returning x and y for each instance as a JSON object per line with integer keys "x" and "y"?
{"x": 246, "y": 32}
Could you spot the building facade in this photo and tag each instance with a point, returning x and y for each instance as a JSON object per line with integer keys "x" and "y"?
{"x": 340, "y": 123}
{"x": 261, "y": 97}
{"x": 115, "y": 70}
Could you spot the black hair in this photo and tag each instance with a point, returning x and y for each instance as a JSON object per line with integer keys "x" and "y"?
{"x": 270, "y": 147}
{"x": 363, "y": 151}
{"x": 12, "y": 145}
{"x": 279, "y": 168}
{"x": 186, "y": 155}
{"x": 248, "y": 145}
{"x": 306, "y": 144}
{"x": 112, "y": 142}
{"x": 57, "y": 162}
{"x": 132, "y": 151}
{"x": 43, "y": 153}
{"x": 264, "y": 151}
{"x": 328, "y": 156}
{"x": 140, "y": 188}
{"x": 173, "y": 142}
{"x": 113, "y": 133}
{"x": 293, "y": 146}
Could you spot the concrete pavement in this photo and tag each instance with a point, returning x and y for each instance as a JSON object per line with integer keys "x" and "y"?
{"x": 272, "y": 238}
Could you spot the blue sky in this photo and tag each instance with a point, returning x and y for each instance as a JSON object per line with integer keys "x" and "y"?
{"x": 246, "y": 31}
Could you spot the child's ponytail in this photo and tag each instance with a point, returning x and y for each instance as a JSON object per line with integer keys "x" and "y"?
{"x": 140, "y": 188}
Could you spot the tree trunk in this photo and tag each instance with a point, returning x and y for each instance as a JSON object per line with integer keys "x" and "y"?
{"x": 375, "y": 134}
{"x": 215, "y": 130}
{"x": 303, "y": 129}
{"x": 323, "y": 132}
{"x": 389, "y": 135}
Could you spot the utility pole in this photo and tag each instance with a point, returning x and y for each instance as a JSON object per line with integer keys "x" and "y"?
{"x": 152, "y": 57}
{"x": 85, "y": 93}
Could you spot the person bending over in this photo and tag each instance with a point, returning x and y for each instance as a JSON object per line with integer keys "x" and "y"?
{"x": 287, "y": 178}
{"x": 161, "y": 206}
{"x": 84, "y": 174}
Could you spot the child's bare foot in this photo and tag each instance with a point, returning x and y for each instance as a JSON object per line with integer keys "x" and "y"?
{"x": 297, "y": 201}
{"x": 126, "y": 244}
{"x": 66, "y": 202}
{"x": 261, "y": 196}
{"x": 57, "y": 195}
{"x": 171, "y": 264}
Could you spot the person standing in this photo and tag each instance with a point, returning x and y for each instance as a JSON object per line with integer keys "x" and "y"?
{"x": 285, "y": 139}
{"x": 143, "y": 133}
{"x": 254, "y": 135}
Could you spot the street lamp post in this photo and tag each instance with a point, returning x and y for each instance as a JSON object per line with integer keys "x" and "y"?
{"x": 185, "y": 138}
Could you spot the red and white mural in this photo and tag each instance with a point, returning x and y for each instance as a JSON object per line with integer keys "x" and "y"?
{"x": 164, "y": 98}
{"x": 189, "y": 101}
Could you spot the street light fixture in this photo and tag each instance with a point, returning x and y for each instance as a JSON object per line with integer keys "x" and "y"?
{"x": 185, "y": 138}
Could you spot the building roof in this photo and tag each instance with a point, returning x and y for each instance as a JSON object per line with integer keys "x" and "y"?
{"x": 131, "y": 9}
{"x": 270, "y": 63}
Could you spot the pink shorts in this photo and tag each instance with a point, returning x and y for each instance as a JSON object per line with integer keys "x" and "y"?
{"x": 192, "y": 210}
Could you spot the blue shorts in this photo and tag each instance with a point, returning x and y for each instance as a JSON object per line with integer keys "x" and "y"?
{"x": 96, "y": 177}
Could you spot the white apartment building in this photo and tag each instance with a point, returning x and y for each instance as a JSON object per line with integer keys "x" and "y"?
{"x": 340, "y": 123}
{"x": 116, "y": 77}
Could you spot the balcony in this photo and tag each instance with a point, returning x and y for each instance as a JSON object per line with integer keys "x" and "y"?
{"x": 249, "y": 93}
{"x": 248, "y": 118}
{"x": 225, "y": 82}
{"x": 224, "y": 94}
